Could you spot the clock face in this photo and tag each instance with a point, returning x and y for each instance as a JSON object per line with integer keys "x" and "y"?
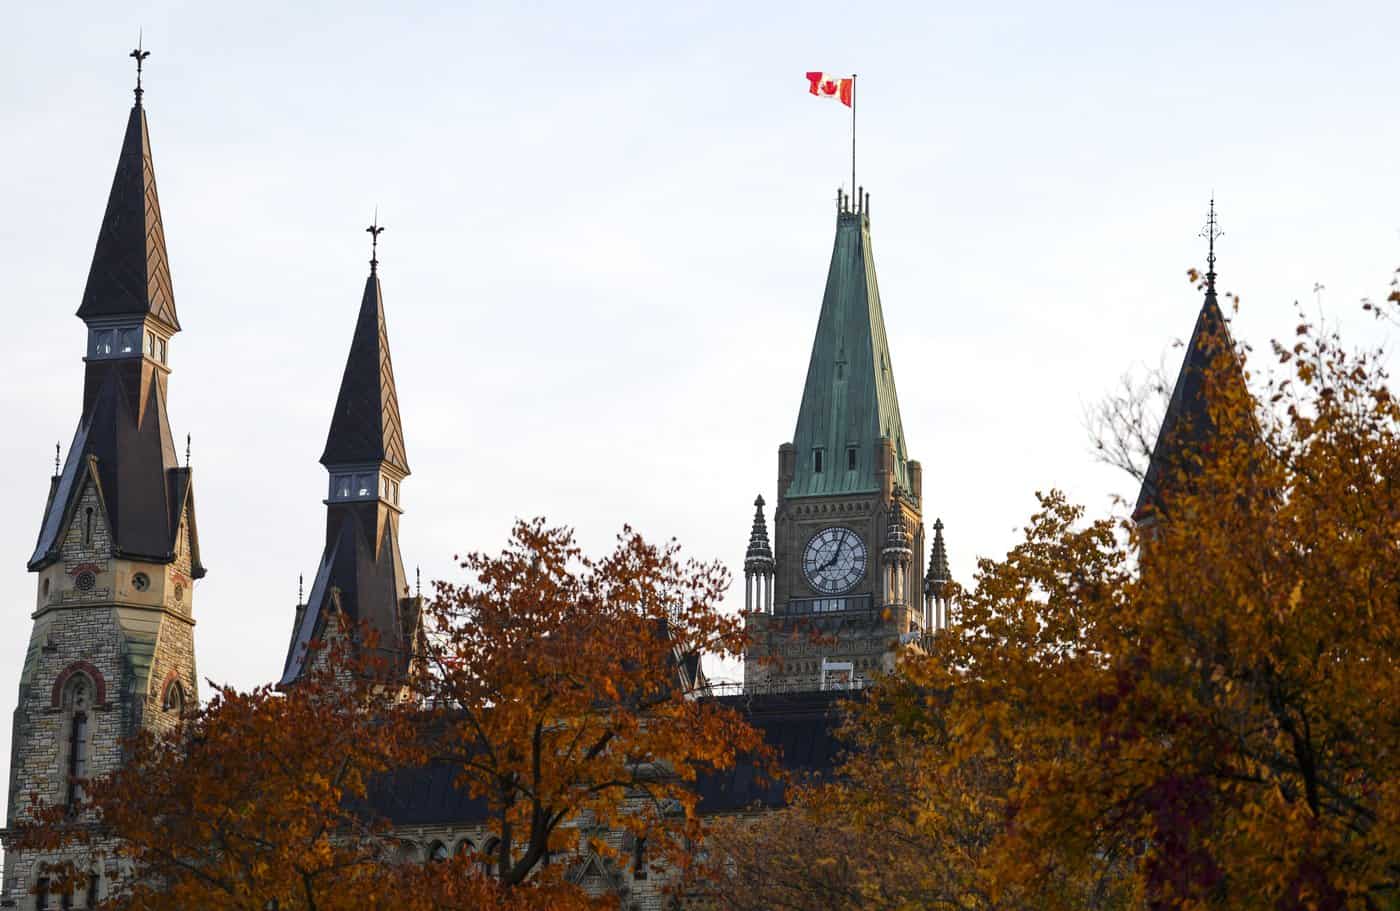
{"x": 834, "y": 560}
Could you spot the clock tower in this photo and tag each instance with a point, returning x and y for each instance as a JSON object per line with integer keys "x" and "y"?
{"x": 841, "y": 587}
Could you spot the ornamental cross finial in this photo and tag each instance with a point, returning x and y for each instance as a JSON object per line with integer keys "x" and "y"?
{"x": 188, "y": 439}
{"x": 375, "y": 229}
{"x": 1210, "y": 232}
{"x": 57, "y": 450}
{"x": 139, "y": 56}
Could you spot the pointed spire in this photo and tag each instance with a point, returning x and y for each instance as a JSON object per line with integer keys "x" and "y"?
{"x": 130, "y": 272}
{"x": 759, "y": 557}
{"x": 938, "y": 560}
{"x": 849, "y": 401}
{"x": 1187, "y": 422}
{"x": 366, "y": 426}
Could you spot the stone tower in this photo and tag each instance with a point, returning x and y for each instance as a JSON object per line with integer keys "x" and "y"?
{"x": 112, "y": 648}
{"x": 844, "y": 584}
{"x": 361, "y": 574}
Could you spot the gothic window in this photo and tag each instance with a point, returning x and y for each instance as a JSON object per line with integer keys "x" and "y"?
{"x": 437, "y": 852}
{"x": 817, "y": 461}
{"x": 77, "y": 700}
{"x": 87, "y": 526}
{"x": 465, "y": 847}
{"x": 161, "y": 345}
{"x": 639, "y": 859}
{"x": 174, "y": 700}
{"x": 150, "y": 344}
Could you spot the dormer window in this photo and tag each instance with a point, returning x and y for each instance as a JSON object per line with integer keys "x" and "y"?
{"x": 816, "y": 461}
{"x": 850, "y": 458}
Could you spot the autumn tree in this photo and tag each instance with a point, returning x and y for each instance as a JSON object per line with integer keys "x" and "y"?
{"x": 1193, "y": 709}
{"x": 1215, "y": 719}
{"x": 563, "y": 689}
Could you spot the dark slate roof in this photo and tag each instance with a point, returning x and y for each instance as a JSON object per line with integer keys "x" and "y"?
{"x": 800, "y": 725}
{"x": 124, "y": 443}
{"x": 849, "y": 397}
{"x": 362, "y": 574}
{"x": 1187, "y": 423}
{"x": 365, "y": 426}
{"x": 130, "y": 274}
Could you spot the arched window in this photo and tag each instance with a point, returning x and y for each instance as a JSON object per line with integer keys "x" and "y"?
{"x": 77, "y": 702}
{"x": 465, "y": 847}
{"x": 87, "y": 526}
{"x": 437, "y": 852}
{"x": 174, "y": 700}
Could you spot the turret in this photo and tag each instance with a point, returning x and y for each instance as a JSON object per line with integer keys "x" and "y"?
{"x": 938, "y": 584}
{"x": 758, "y": 565}
{"x": 361, "y": 573}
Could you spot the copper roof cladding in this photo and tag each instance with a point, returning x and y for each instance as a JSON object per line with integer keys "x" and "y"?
{"x": 365, "y": 426}
{"x": 123, "y": 441}
{"x": 130, "y": 275}
{"x": 849, "y": 397}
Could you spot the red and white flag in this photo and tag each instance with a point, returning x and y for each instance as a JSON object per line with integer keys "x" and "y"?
{"x": 825, "y": 85}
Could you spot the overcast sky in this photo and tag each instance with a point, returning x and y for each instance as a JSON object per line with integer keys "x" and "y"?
{"x": 608, "y": 234}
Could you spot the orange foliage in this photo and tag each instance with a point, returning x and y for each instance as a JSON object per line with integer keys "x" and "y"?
{"x": 557, "y": 682}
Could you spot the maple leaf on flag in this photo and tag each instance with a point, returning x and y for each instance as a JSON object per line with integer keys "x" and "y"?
{"x": 841, "y": 88}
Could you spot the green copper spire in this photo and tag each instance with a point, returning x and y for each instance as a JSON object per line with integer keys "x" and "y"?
{"x": 849, "y": 402}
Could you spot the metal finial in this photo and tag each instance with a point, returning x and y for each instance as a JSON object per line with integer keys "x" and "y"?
{"x": 139, "y": 56}
{"x": 301, "y": 587}
{"x": 374, "y": 231}
{"x": 418, "y": 579}
{"x": 1210, "y": 232}
{"x": 57, "y": 450}
{"x": 187, "y": 450}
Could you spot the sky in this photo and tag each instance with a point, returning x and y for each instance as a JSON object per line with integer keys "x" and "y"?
{"x": 608, "y": 229}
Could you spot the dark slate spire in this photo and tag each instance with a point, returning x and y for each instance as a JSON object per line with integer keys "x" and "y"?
{"x": 124, "y": 445}
{"x": 361, "y": 575}
{"x": 130, "y": 274}
{"x": 1187, "y": 423}
{"x": 849, "y": 398}
{"x": 759, "y": 557}
{"x": 365, "y": 427}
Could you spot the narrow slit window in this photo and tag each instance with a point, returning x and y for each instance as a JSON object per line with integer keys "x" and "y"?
{"x": 850, "y": 458}
{"x": 817, "y": 461}
{"x": 87, "y": 526}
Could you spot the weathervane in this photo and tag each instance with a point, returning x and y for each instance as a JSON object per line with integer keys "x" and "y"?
{"x": 139, "y": 56}
{"x": 1210, "y": 232}
{"x": 374, "y": 231}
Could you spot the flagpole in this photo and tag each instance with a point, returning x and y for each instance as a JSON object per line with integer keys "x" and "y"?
{"x": 853, "y": 134}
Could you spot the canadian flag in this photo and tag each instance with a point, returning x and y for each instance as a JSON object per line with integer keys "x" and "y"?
{"x": 825, "y": 85}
